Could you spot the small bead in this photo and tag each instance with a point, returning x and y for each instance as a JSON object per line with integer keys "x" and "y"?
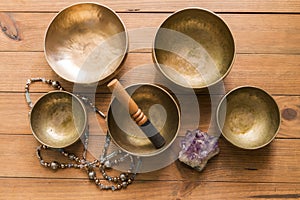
{"x": 71, "y": 156}
{"x": 107, "y": 164}
{"x": 76, "y": 159}
{"x": 97, "y": 181}
{"x": 54, "y": 165}
{"x": 113, "y": 188}
{"x": 123, "y": 177}
{"x": 62, "y": 166}
{"x": 54, "y": 83}
{"x": 124, "y": 184}
{"x": 92, "y": 175}
{"x": 119, "y": 186}
{"x": 129, "y": 181}
{"x": 115, "y": 179}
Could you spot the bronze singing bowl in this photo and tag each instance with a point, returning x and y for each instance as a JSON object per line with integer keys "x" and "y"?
{"x": 160, "y": 108}
{"x": 58, "y": 119}
{"x": 194, "y": 48}
{"x": 86, "y": 43}
{"x": 248, "y": 117}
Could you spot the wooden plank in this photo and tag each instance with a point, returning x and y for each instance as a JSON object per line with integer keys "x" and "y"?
{"x": 161, "y": 6}
{"x": 248, "y": 69}
{"x": 253, "y": 33}
{"x": 57, "y": 189}
{"x": 13, "y": 108}
{"x": 270, "y": 164}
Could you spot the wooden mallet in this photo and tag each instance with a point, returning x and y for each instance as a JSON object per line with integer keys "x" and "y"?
{"x": 136, "y": 113}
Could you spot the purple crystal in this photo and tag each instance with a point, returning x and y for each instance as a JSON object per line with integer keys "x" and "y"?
{"x": 197, "y": 148}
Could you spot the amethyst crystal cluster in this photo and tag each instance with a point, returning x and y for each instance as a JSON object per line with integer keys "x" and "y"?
{"x": 197, "y": 148}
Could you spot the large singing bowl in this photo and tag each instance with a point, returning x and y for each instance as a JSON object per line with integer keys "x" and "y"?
{"x": 248, "y": 117}
{"x": 160, "y": 108}
{"x": 194, "y": 48}
{"x": 86, "y": 43}
{"x": 58, "y": 119}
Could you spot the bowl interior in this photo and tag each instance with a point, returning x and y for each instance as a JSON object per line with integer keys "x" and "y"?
{"x": 85, "y": 43}
{"x": 248, "y": 117}
{"x": 194, "y": 48}
{"x": 58, "y": 119}
{"x": 161, "y": 110}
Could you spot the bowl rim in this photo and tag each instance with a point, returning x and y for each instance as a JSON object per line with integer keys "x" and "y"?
{"x": 73, "y": 97}
{"x": 207, "y": 11}
{"x": 124, "y": 53}
{"x": 241, "y": 88}
{"x": 165, "y": 147}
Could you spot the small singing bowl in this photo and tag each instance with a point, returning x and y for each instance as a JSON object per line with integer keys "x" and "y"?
{"x": 248, "y": 117}
{"x": 58, "y": 119}
{"x": 160, "y": 108}
{"x": 86, "y": 43}
{"x": 194, "y": 48}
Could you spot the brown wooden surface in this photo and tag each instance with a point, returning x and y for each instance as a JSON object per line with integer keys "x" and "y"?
{"x": 267, "y": 36}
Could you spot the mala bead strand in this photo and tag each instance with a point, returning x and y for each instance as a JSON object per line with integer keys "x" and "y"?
{"x": 104, "y": 162}
{"x": 121, "y": 181}
{"x": 54, "y": 84}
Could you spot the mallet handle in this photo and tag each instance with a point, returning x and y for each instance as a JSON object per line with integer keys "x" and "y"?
{"x": 136, "y": 113}
{"x": 123, "y": 97}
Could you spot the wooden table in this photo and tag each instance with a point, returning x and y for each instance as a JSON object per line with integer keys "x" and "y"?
{"x": 267, "y": 36}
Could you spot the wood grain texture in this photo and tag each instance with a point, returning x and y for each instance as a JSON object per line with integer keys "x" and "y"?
{"x": 248, "y": 69}
{"x": 15, "y": 110}
{"x": 253, "y": 33}
{"x": 161, "y": 6}
{"x": 268, "y": 56}
{"x": 270, "y": 164}
{"x": 9, "y": 27}
{"x": 171, "y": 190}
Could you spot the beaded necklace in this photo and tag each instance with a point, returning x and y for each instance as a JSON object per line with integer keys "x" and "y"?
{"x": 104, "y": 163}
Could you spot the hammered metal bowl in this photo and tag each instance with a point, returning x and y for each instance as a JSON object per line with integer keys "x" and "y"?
{"x": 86, "y": 43}
{"x": 194, "y": 48}
{"x": 58, "y": 119}
{"x": 248, "y": 117}
{"x": 160, "y": 108}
